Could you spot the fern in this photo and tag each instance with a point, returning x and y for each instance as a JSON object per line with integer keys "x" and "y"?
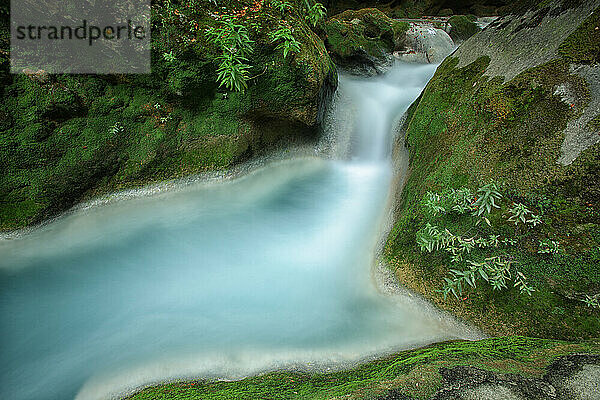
{"x": 287, "y": 42}
{"x": 315, "y": 13}
{"x": 235, "y": 44}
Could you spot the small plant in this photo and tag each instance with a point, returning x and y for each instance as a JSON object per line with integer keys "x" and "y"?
{"x": 231, "y": 36}
{"x": 474, "y": 254}
{"x": 487, "y": 197}
{"x": 462, "y": 200}
{"x": 169, "y": 57}
{"x": 233, "y": 72}
{"x": 432, "y": 238}
{"x": 548, "y": 246}
{"x": 497, "y": 271}
{"x": 455, "y": 200}
{"x": 518, "y": 213}
{"x": 521, "y": 284}
{"x": 165, "y": 119}
{"x": 315, "y": 13}
{"x": 117, "y": 128}
{"x": 432, "y": 203}
{"x": 234, "y": 41}
{"x": 287, "y": 42}
{"x": 535, "y": 220}
{"x": 591, "y": 301}
{"x": 282, "y": 5}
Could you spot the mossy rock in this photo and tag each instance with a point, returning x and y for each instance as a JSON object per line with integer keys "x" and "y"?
{"x": 64, "y": 139}
{"x": 583, "y": 45}
{"x": 462, "y": 27}
{"x": 470, "y": 127}
{"x": 365, "y": 37}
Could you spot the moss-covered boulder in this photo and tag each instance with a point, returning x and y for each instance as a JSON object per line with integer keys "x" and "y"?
{"x": 64, "y": 138}
{"x": 462, "y": 27}
{"x": 364, "y": 40}
{"x": 515, "y": 104}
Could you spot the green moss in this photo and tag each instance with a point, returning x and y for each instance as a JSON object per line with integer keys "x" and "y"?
{"x": 414, "y": 373}
{"x": 583, "y": 45}
{"x": 66, "y": 138}
{"x": 594, "y": 124}
{"x": 354, "y": 34}
{"x": 467, "y": 129}
{"x": 462, "y": 27}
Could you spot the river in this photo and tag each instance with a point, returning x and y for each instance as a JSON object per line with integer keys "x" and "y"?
{"x": 220, "y": 279}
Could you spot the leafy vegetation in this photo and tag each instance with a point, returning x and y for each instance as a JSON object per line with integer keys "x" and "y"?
{"x": 283, "y": 6}
{"x": 234, "y": 41}
{"x": 315, "y": 13}
{"x": 481, "y": 252}
{"x": 285, "y": 37}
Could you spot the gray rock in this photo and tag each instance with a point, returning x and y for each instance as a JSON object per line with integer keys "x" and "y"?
{"x": 516, "y": 44}
{"x": 425, "y": 44}
{"x": 573, "y": 377}
{"x": 578, "y": 135}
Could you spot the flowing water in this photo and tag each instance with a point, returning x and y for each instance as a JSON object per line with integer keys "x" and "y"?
{"x": 219, "y": 279}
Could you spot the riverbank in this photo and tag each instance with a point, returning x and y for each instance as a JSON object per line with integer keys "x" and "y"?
{"x": 223, "y": 280}
{"x": 526, "y": 366}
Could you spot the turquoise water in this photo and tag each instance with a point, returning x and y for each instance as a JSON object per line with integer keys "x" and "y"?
{"x": 219, "y": 280}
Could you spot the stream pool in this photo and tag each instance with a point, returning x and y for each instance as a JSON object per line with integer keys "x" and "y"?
{"x": 220, "y": 280}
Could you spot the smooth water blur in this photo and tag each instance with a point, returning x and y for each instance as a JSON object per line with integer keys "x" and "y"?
{"x": 218, "y": 280}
